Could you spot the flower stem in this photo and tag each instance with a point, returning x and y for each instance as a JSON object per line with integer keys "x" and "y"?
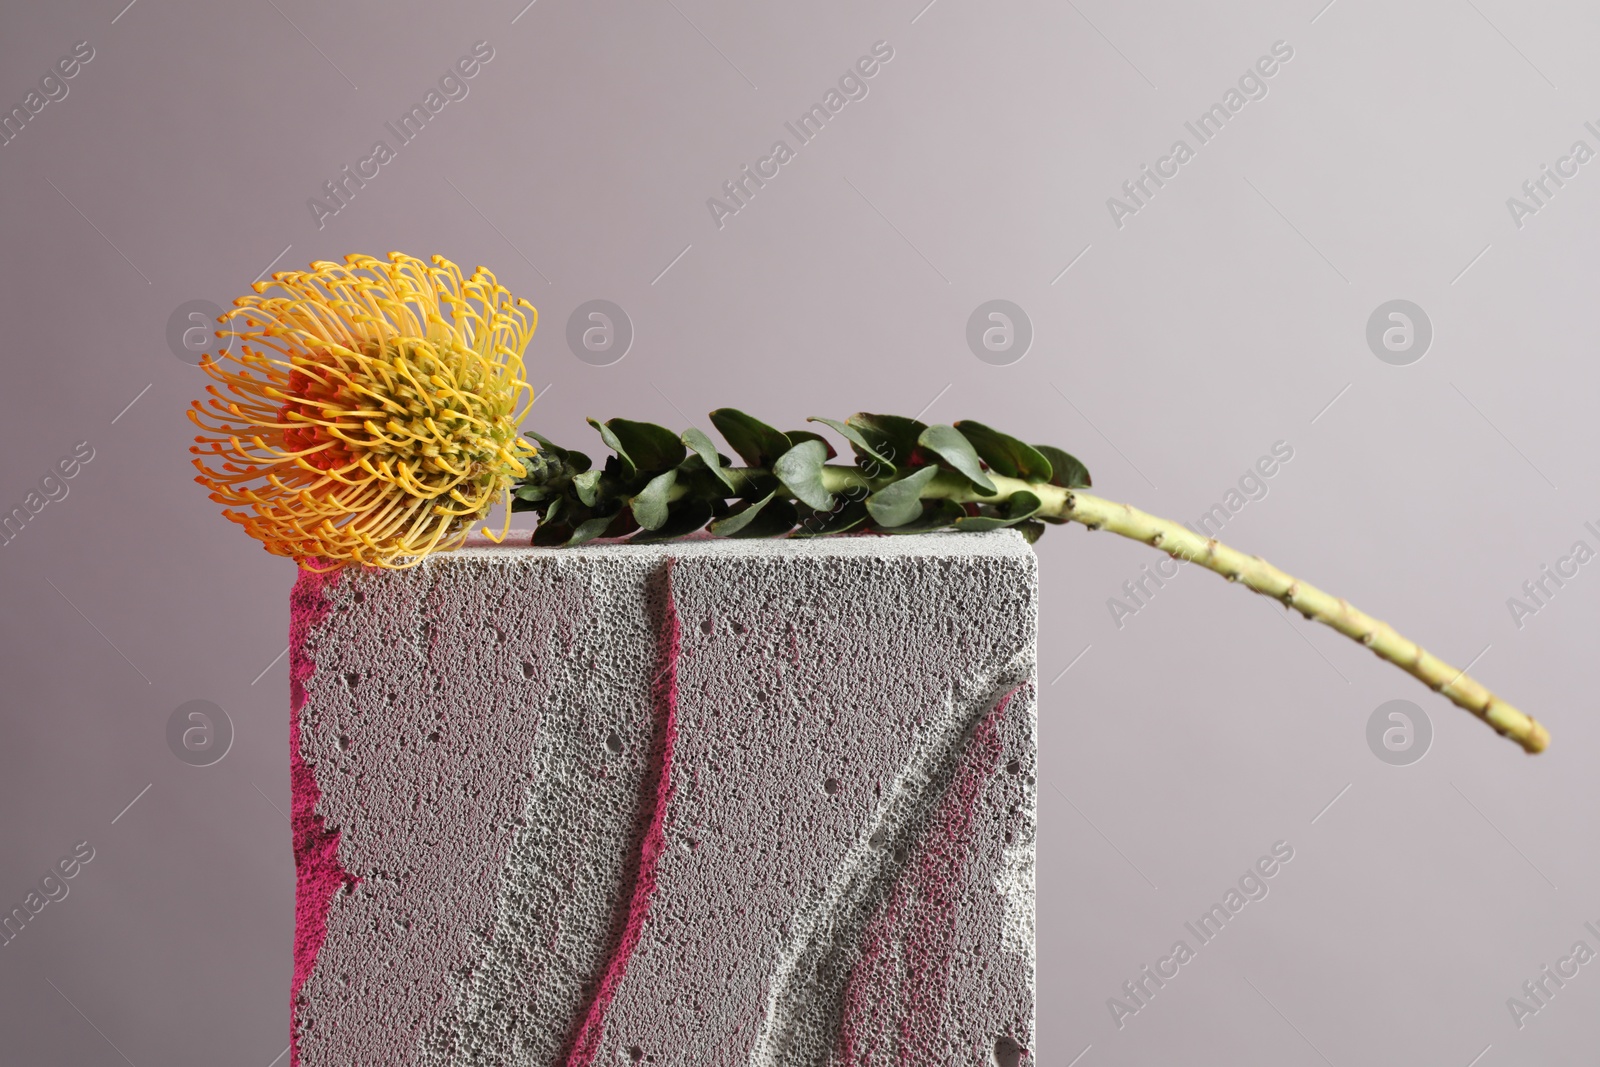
{"x": 1255, "y": 573}
{"x": 1262, "y": 577}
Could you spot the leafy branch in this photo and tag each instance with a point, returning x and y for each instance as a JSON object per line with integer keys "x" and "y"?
{"x": 907, "y": 477}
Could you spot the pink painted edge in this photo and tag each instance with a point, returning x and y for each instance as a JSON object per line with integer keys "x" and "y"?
{"x": 318, "y": 871}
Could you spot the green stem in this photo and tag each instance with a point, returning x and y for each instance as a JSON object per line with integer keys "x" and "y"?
{"x": 1255, "y": 573}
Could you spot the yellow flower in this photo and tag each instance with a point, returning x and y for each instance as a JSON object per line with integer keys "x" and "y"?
{"x": 373, "y": 413}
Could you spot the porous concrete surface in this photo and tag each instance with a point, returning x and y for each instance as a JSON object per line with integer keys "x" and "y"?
{"x": 703, "y": 803}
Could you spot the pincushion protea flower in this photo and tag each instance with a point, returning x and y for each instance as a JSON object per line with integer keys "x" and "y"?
{"x": 371, "y": 415}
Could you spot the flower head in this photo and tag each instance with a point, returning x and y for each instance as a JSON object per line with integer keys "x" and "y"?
{"x": 370, "y": 415}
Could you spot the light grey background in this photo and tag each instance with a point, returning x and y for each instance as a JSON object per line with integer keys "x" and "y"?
{"x": 1223, "y": 317}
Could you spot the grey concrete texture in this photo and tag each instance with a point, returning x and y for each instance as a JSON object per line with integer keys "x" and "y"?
{"x": 1229, "y": 313}
{"x": 713, "y": 803}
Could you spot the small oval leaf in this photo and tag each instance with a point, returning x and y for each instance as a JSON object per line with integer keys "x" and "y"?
{"x": 773, "y": 516}
{"x": 822, "y": 523}
{"x": 587, "y": 485}
{"x": 589, "y": 529}
{"x": 936, "y": 514}
{"x": 626, "y": 467}
{"x": 650, "y": 447}
{"x": 775, "y": 520}
{"x": 900, "y": 502}
{"x": 738, "y": 519}
{"x": 756, "y": 443}
{"x": 895, "y": 436}
{"x": 1006, "y": 455}
{"x": 796, "y": 436}
{"x": 1066, "y": 470}
{"x": 702, "y": 446}
{"x": 800, "y": 469}
{"x": 862, "y": 446}
{"x": 952, "y": 447}
{"x": 551, "y": 534}
{"x": 685, "y": 517}
{"x": 1019, "y": 506}
{"x": 650, "y": 506}
{"x": 545, "y": 445}
{"x": 1032, "y": 531}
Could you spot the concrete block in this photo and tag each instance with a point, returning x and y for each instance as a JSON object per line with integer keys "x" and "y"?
{"x": 704, "y": 803}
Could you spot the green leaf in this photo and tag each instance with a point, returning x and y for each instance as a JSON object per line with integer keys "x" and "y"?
{"x": 587, "y": 485}
{"x": 768, "y": 517}
{"x": 1032, "y": 531}
{"x": 1018, "y": 507}
{"x": 545, "y": 444}
{"x": 650, "y": 447}
{"x": 551, "y": 534}
{"x": 577, "y": 462}
{"x": 740, "y": 517}
{"x": 1006, "y": 455}
{"x": 757, "y": 486}
{"x": 775, "y": 520}
{"x": 694, "y": 480}
{"x": 936, "y": 513}
{"x": 956, "y": 450}
{"x": 622, "y": 523}
{"x": 900, "y": 502}
{"x": 758, "y": 444}
{"x": 822, "y": 523}
{"x": 891, "y": 435}
{"x": 686, "y": 516}
{"x": 796, "y": 436}
{"x": 650, "y": 505}
{"x": 1067, "y": 471}
{"x": 589, "y": 529}
{"x": 800, "y": 469}
{"x": 703, "y": 447}
{"x": 626, "y": 468}
{"x": 858, "y": 441}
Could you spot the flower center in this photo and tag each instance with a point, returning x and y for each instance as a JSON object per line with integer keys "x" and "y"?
{"x": 411, "y": 404}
